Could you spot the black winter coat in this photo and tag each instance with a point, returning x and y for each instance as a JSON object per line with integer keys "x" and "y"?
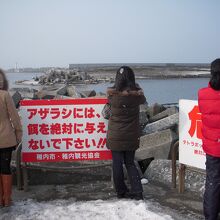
{"x": 123, "y": 129}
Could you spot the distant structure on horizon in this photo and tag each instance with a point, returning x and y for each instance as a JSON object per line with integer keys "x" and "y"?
{"x": 16, "y": 68}
{"x": 113, "y": 66}
{"x": 87, "y": 66}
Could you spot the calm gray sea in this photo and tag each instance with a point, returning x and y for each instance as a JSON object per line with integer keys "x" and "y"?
{"x": 156, "y": 90}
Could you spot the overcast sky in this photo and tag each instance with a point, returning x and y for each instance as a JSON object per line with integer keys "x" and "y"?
{"x": 36, "y": 33}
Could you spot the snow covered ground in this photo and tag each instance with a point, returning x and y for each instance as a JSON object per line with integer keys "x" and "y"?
{"x": 94, "y": 210}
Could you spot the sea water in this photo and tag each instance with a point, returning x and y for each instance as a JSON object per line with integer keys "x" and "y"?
{"x": 156, "y": 90}
{"x": 163, "y": 90}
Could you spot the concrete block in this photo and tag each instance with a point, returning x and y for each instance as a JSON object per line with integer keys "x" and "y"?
{"x": 160, "y": 170}
{"x": 100, "y": 94}
{"x": 89, "y": 93}
{"x": 144, "y": 107}
{"x": 16, "y": 98}
{"x": 44, "y": 94}
{"x": 63, "y": 97}
{"x": 165, "y": 113}
{"x": 73, "y": 92}
{"x": 143, "y": 119}
{"x": 155, "y": 109}
{"x": 162, "y": 124}
{"x": 156, "y": 145}
{"x": 62, "y": 91}
{"x": 25, "y": 92}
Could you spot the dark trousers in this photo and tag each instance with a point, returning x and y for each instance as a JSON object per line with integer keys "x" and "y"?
{"x": 126, "y": 157}
{"x": 211, "y": 203}
{"x": 5, "y": 160}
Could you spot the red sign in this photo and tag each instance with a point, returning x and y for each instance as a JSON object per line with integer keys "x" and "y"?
{"x": 64, "y": 130}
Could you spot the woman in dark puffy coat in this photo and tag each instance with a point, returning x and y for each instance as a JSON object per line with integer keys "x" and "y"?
{"x": 209, "y": 105}
{"x": 123, "y": 131}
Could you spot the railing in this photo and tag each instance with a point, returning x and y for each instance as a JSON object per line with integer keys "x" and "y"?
{"x": 174, "y": 149}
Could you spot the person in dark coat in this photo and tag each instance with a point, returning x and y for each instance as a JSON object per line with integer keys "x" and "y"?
{"x": 209, "y": 106}
{"x": 124, "y": 132}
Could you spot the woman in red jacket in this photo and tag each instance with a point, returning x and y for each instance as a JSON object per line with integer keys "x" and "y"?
{"x": 209, "y": 105}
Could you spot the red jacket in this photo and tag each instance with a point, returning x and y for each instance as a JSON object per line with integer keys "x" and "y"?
{"x": 209, "y": 106}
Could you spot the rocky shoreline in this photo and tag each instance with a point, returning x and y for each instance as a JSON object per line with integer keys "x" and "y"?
{"x": 100, "y": 74}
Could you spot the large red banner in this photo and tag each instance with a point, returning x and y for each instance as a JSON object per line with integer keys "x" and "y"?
{"x": 63, "y": 130}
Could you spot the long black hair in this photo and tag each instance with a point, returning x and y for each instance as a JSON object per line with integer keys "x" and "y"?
{"x": 125, "y": 79}
{"x": 215, "y": 74}
{"x": 4, "y": 80}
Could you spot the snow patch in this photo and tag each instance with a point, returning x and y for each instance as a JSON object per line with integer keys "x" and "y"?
{"x": 144, "y": 181}
{"x": 95, "y": 210}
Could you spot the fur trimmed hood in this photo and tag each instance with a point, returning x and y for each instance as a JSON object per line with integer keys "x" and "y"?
{"x": 112, "y": 92}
